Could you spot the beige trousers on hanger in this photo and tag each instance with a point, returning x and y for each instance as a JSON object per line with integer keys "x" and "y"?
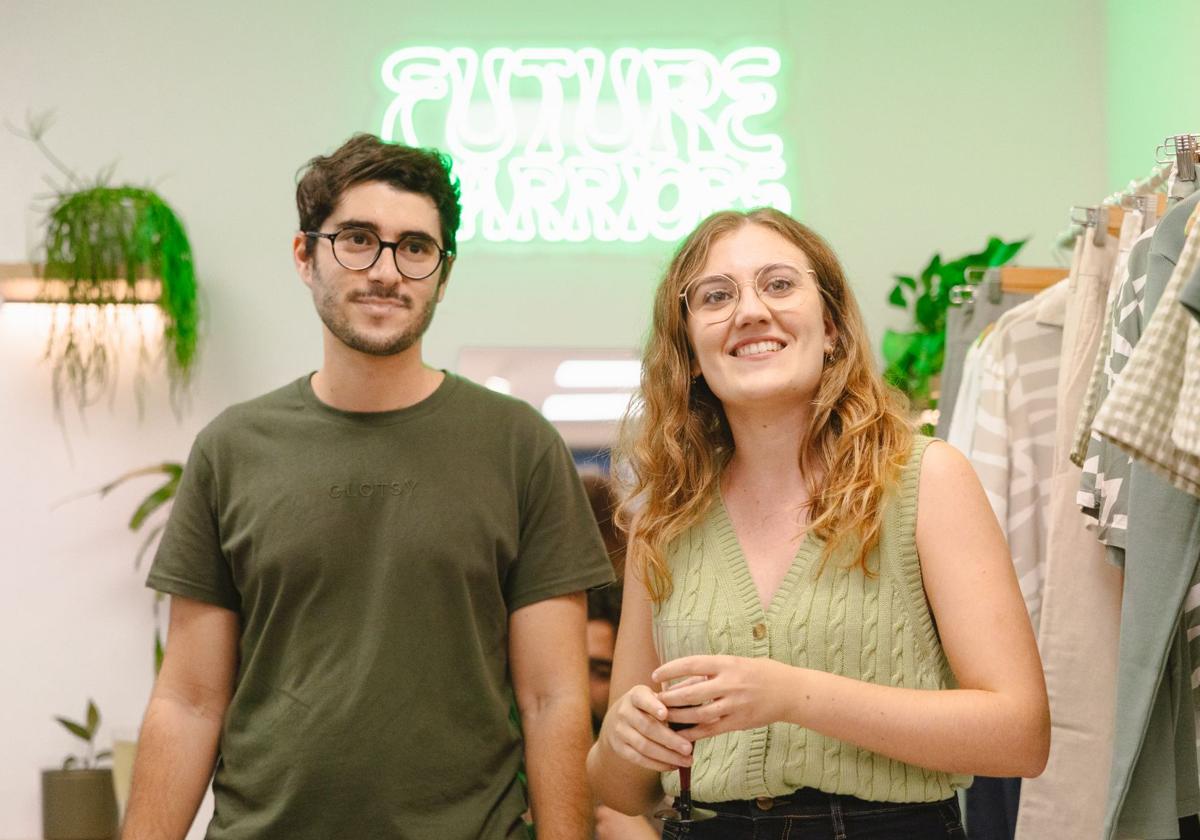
{"x": 1081, "y": 601}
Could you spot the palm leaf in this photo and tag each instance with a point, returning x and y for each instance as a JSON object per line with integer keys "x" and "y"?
{"x": 170, "y": 468}
{"x": 147, "y": 543}
{"x": 153, "y": 502}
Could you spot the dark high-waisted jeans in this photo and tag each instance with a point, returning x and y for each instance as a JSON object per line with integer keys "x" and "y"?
{"x": 812, "y": 815}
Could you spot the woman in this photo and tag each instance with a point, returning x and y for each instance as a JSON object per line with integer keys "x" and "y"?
{"x": 869, "y": 653}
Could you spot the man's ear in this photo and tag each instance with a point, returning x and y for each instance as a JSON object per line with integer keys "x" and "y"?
{"x": 302, "y": 258}
{"x": 445, "y": 278}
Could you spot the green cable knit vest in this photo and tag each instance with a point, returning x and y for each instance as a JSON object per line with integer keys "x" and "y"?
{"x": 877, "y": 629}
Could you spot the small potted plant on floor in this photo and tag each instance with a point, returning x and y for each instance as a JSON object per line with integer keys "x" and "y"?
{"x": 78, "y": 802}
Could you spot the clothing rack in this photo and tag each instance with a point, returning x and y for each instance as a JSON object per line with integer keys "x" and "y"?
{"x": 1185, "y": 149}
{"x": 1014, "y": 279}
{"x": 1177, "y": 155}
{"x": 1107, "y": 218}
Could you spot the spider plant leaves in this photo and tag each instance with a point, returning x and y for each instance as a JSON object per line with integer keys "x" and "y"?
{"x": 99, "y": 242}
{"x": 160, "y": 241}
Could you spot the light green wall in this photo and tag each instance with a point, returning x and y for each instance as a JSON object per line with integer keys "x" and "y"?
{"x": 1152, "y": 80}
{"x": 911, "y": 127}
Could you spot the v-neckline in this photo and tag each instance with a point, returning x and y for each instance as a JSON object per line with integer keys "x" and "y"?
{"x": 735, "y": 561}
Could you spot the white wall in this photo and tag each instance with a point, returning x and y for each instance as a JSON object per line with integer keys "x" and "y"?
{"x": 913, "y": 127}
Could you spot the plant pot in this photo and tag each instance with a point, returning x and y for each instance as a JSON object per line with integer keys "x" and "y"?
{"x": 78, "y": 805}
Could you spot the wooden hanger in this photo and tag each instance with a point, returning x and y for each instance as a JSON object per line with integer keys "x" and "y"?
{"x": 1027, "y": 280}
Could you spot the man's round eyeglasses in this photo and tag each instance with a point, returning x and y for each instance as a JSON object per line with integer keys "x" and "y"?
{"x": 416, "y": 256}
{"x": 714, "y": 298}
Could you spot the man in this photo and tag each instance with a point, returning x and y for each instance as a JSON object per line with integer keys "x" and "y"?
{"x": 604, "y": 603}
{"x": 366, "y": 565}
{"x": 603, "y": 615}
{"x": 603, "y": 618}
{"x": 604, "y": 610}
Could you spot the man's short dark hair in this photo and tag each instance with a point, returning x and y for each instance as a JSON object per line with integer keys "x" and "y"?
{"x": 604, "y": 503}
{"x": 604, "y": 604}
{"x": 364, "y": 157}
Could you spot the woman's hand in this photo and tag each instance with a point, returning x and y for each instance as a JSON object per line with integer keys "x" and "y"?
{"x": 733, "y": 692}
{"x": 635, "y": 729}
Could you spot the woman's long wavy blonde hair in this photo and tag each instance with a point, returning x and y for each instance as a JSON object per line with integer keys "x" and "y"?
{"x": 675, "y": 440}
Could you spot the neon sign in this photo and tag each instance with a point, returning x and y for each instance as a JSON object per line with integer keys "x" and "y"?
{"x": 570, "y": 145}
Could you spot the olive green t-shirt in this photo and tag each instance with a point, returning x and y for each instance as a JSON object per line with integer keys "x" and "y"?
{"x": 374, "y": 560}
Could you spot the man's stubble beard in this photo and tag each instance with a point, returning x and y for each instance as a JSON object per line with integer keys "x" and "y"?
{"x": 327, "y": 300}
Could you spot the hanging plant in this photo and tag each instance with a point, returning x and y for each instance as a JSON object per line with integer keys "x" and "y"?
{"x": 914, "y": 357}
{"x": 103, "y": 243}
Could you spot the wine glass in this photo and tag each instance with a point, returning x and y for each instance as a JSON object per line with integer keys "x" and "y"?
{"x": 675, "y": 638}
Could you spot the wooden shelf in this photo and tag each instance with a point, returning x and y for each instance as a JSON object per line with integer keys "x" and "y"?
{"x": 22, "y": 283}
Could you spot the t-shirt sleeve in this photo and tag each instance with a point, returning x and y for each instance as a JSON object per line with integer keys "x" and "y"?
{"x": 560, "y": 548}
{"x": 189, "y": 560}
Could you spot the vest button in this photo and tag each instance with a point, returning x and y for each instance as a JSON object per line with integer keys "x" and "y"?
{"x": 760, "y": 631}
{"x": 764, "y": 803}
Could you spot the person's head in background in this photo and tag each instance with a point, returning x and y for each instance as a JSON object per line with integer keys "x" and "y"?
{"x": 604, "y": 604}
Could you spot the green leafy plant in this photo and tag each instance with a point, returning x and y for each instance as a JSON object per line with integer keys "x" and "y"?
{"x": 161, "y": 496}
{"x": 151, "y": 513}
{"x": 100, "y": 240}
{"x": 159, "y": 499}
{"x": 913, "y": 358}
{"x": 85, "y": 732}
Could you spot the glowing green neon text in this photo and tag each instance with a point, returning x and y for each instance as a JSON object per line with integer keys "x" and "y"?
{"x": 570, "y": 145}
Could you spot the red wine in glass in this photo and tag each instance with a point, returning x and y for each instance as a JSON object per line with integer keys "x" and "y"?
{"x": 685, "y": 773}
{"x": 674, "y": 639}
